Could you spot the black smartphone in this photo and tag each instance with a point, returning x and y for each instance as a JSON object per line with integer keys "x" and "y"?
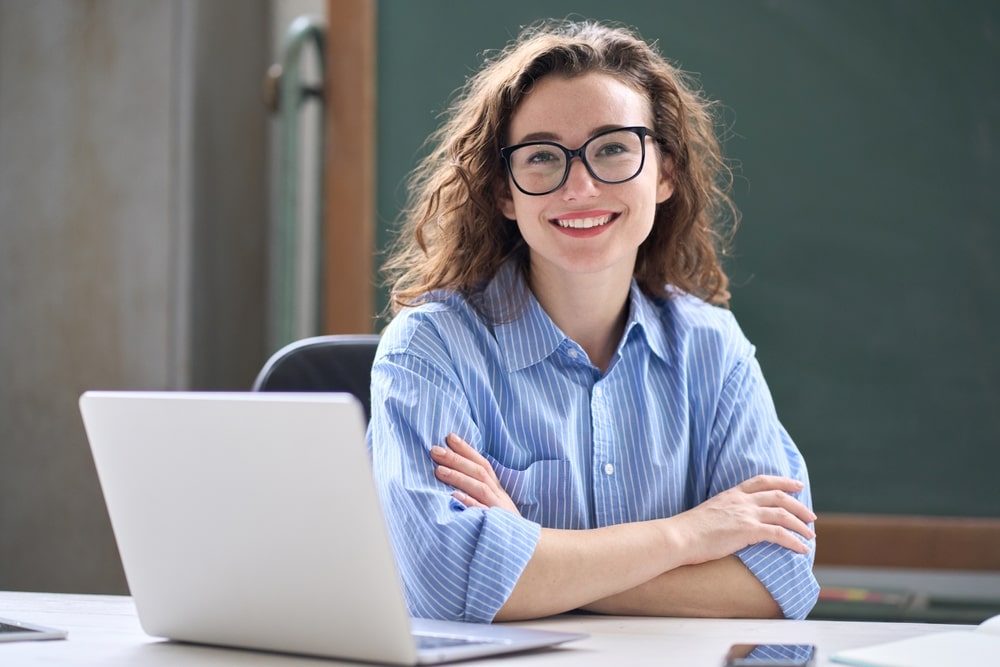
{"x": 771, "y": 655}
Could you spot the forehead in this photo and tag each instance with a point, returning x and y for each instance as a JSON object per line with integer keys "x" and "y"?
{"x": 574, "y": 108}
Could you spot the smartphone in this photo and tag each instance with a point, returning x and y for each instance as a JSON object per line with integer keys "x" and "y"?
{"x": 771, "y": 655}
{"x": 16, "y": 631}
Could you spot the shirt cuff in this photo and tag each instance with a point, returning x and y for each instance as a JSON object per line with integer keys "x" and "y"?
{"x": 506, "y": 544}
{"x": 786, "y": 575}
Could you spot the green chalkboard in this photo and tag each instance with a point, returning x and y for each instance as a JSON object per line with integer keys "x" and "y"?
{"x": 866, "y": 267}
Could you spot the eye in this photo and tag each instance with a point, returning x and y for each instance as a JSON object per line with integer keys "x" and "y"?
{"x": 611, "y": 149}
{"x": 540, "y": 155}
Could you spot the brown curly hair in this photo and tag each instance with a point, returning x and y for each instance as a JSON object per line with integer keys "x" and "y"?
{"x": 453, "y": 236}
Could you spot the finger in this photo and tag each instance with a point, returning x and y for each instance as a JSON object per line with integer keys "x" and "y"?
{"x": 469, "y": 472}
{"x": 771, "y": 483}
{"x": 760, "y": 483}
{"x": 456, "y": 461}
{"x": 468, "y": 500}
{"x": 470, "y": 486}
{"x": 780, "y": 517}
{"x": 784, "y": 538}
{"x": 465, "y": 450}
{"x": 447, "y": 457}
{"x": 786, "y": 502}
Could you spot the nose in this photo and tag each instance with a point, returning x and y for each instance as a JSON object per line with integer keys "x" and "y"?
{"x": 579, "y": 182}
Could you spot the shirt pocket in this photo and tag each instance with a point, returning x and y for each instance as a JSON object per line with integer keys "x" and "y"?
{"x": 545, "y": 492}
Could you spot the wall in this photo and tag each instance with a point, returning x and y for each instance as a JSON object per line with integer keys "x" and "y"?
{"x": 133, "y": 212}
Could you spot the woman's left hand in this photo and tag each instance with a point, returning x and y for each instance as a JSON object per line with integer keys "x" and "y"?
{"x": 459, "y": 465}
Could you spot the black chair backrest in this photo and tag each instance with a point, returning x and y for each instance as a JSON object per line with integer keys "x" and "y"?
{"x": 341, "y": 363}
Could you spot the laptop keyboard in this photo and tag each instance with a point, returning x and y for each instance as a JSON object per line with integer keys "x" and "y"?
{"x": 430, "y": 641}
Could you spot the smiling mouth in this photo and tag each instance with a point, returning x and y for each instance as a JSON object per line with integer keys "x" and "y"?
{"x": 584, "y": 223}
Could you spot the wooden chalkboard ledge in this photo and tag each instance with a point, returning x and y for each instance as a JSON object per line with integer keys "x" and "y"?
{"x": 873, "y": 540}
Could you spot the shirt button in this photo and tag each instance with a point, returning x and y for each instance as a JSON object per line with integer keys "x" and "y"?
{"x": 609, "y": 469}
{"x": 597, "y": 392}
{"x": 572, "y": 353}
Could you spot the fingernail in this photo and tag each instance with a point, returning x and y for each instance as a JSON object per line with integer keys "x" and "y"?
{"x": 437, "y": 450}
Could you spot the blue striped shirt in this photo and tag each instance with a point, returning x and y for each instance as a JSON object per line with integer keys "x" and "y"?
{"x": 681, "y": 414}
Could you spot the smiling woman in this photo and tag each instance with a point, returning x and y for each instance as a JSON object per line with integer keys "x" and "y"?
{"x": 562, "y": 416}
{"x": 614, "y": 215}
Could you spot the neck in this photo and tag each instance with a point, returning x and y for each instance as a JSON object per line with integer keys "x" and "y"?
{"x": 589, "y": 308}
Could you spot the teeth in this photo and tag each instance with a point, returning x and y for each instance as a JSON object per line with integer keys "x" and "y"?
{"x": 584, "y": 223}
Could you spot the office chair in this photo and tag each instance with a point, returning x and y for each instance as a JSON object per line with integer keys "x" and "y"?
{"x": 341, "y": 363}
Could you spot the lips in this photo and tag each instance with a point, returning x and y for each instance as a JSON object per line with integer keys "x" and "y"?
{"x": 584, "y": 222}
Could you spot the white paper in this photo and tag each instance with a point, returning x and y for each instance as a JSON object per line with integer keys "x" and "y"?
{"x": 960, "y": 648}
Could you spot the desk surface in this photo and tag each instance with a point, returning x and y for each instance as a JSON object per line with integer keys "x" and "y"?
{"x": 104, "y": 630}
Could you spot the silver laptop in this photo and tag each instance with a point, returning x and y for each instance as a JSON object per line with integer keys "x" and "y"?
{"x": 251, "y": 520}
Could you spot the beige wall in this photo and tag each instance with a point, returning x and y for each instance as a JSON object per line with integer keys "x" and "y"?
{"x": 133, "y": 212}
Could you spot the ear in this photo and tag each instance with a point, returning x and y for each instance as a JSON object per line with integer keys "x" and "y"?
{"x": 505, "y": 202}
{"x": 665, "y": 186}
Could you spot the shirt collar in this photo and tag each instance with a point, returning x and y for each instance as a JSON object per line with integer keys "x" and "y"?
{"x": 524, "y": 331}
{"x": 646, "y": 315}
{"x": 527, "y": 334}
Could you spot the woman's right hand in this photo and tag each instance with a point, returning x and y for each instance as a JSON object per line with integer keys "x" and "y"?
{"x": 760, "y": 509}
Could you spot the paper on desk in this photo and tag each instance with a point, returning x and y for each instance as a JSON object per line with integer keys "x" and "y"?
{"x": 980, "y": 646}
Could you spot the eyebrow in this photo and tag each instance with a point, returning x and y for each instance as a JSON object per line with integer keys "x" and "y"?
{"x": 552, "y": 136}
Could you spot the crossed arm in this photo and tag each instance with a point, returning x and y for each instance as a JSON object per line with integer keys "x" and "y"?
{"x": 680, "y": 566}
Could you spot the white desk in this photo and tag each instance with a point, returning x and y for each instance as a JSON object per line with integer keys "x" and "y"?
{"x": 104, "y": 630}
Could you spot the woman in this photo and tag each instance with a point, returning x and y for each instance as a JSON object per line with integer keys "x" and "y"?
{"x": 562, "y": 415}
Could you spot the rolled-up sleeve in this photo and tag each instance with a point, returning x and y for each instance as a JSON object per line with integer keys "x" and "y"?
{"x": 456, "y": 563}
{"x": 750, "y": 441}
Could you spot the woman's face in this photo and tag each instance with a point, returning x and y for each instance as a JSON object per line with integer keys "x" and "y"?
{"x": 585, "y": 226}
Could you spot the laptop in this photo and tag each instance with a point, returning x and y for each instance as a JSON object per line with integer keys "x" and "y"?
{"x": 251, "y": 520}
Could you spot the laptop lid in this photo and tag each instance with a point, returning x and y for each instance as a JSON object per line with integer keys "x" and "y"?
{"x": 251, "y": 520}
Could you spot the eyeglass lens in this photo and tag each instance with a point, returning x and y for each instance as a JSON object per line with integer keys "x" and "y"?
{"x": 612, "y": 157}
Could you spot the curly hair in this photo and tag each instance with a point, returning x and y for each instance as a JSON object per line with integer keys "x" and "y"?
{"x": 453, "y": 235}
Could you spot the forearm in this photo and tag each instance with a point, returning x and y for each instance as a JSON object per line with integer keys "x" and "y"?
{"x": 634, "y": 568}
{"x": 623, "y": 568}
{"x": 572, "y": 568}
{"x": 718, "y": 588}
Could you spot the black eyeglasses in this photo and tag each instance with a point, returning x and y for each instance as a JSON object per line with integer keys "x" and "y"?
{"x": 612, "y": 156}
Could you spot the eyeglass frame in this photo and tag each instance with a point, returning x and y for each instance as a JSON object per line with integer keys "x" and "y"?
{"x": 639, "y": 130}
